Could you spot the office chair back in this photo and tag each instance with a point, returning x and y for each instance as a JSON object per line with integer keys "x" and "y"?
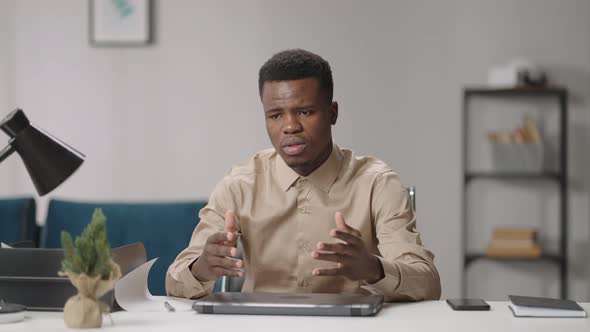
{"x": 412, "y": 194}
{"x": 17, "y": 220}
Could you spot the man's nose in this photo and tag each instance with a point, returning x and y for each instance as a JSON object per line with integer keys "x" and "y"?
{"x": 291, "y": 124}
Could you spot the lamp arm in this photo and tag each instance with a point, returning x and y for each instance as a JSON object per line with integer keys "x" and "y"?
{"x": 7, "y": 151}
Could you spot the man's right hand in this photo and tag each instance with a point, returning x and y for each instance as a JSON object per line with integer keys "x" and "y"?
{"x": 215, "y": 260}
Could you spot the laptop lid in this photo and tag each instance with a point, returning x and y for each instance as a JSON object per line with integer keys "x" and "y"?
{"x": 289, "y": 304}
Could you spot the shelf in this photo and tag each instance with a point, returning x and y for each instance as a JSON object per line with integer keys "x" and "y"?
{"x": 557, "y": 259}
{"x": 557, "y": 176}
{"x": 516, "y": 91}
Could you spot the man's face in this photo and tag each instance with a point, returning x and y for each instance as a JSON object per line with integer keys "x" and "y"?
{"x": 298, "y": 121}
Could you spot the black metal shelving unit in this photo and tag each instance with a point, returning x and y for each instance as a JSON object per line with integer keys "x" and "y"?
{"x": 560, "y": 177}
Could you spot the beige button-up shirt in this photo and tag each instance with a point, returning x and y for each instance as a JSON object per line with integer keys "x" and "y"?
{"x": 282, "y": 216}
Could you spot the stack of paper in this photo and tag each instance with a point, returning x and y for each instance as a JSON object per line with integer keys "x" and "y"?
{"x": 527, "y": 306}
{"x": 132, "y": 293}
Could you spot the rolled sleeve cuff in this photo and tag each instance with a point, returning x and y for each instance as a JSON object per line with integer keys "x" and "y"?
{"x": 191, "y": 287}
{"x": 390, "y": 282}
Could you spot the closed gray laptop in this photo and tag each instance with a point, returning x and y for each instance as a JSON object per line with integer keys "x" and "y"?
{"x": 289, "y": 304}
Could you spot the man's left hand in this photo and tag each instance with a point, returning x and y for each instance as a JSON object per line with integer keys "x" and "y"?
{"x": 353, "y": 259}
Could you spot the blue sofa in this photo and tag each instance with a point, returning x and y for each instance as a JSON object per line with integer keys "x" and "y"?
{"x": 164, "y": 228}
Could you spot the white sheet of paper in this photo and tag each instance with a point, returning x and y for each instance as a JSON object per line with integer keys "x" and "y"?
{"x": 133, "y": 295}
{"x": 5, "y": 246}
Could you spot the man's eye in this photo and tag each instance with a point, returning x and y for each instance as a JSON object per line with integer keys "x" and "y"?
{"x": 304, "y": 113}
{"x": 275, "y": 116}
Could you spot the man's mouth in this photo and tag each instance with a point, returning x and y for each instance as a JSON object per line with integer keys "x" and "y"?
{"x": 293, "y": 145}
{"x": 293, "y": 148}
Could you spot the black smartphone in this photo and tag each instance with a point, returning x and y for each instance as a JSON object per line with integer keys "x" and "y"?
{"x": 468, "y": 304}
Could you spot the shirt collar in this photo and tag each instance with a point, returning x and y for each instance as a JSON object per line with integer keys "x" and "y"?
{"x": 285, "y": 175}
{"x": 323, "y": 177}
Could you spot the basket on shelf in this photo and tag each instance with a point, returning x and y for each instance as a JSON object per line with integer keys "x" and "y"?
{"x": 521, "y": 151}
{"x": 517, "y": 157}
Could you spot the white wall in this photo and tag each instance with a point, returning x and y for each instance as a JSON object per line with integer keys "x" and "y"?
{"x": 165, "y": 121}
{"x": 8, "y": 169}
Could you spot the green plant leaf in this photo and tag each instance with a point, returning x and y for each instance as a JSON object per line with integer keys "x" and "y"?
{"x": 90, "y": 253}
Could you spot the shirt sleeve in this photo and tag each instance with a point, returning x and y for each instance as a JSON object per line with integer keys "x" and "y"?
{"x": 179, "y": 279}
{"x": 410, "y": 274}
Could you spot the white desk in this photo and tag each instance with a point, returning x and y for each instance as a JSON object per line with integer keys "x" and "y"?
{"x": 428, "y": 316}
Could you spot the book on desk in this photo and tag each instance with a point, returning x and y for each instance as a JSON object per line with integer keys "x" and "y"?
{"x": 528, "y": 306}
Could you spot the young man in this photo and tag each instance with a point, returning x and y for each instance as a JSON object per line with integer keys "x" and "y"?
{"x": 313, "y": 217}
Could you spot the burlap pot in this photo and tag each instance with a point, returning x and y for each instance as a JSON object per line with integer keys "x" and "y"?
{"x": 83, "y": 310}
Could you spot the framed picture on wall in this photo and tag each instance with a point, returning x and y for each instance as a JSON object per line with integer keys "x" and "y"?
{"x": 120, "y": 22}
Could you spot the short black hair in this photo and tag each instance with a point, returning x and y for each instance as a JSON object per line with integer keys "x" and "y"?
{"x": 297, "y": 64}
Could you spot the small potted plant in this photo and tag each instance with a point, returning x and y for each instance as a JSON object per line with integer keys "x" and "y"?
{"x": 89, "y": 266}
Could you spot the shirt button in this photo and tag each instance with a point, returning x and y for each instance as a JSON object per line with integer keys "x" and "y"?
{"x": 306, "y": 246}
{"x": 303, "y": 283}
{"x": 303, "y": 246}
{"x": 302, "y": 210}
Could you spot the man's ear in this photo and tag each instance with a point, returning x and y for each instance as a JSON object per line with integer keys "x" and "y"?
{"x": 334, "y": 112}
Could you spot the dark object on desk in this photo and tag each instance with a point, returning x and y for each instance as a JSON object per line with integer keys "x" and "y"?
{"x": 289, "y": 304}
{"x": 28, "y": 276}
{"x": 468, "y": 304}
{"x": 169, "y": 307}
{"x": 528, "y": 306}
{"x": 10, "y": 312}
{"x": 22, "y": 244}
{"x": 48, "y": 160}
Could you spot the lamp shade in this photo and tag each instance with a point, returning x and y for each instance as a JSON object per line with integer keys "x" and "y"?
{"x": 48, "y": 160}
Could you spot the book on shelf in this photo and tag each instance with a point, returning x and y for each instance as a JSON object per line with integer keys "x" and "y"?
{"x": 514, "y": 233}
{"x": 528, "y": 306}
{"x": 514, "y": 243}
{"x": 530, "y": 252}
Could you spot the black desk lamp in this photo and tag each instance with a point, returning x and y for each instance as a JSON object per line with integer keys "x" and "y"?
{"x": 48, "y": 160}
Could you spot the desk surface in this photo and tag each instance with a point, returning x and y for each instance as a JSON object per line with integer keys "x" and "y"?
{"x": 422, "y": 316}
